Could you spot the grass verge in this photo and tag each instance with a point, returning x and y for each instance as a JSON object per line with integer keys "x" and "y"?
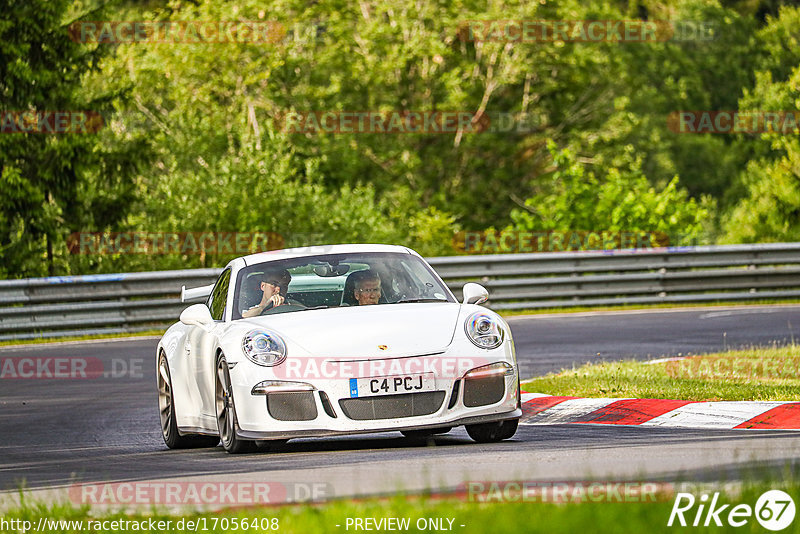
{"x": 42, "y": 340}
{"x": 526, "y": 514}
{"x": 771, "y": 373}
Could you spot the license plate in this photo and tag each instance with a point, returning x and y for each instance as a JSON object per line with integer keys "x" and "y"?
{"x": 392, "y": 385}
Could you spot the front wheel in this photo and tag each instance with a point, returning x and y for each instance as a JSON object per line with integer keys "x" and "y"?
{"x": 493, "y": 432}
{"x": 166, "y": 408}
{"x": 226, "y": 411}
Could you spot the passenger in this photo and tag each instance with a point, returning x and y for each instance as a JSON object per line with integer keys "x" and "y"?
{"x": 367, "y": 287}
{"x": 273, "y": 283}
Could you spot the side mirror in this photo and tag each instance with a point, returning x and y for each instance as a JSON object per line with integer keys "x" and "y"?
{"x": 196, "y": 314}
{"x": 475, "y": 293}
{"x": 196, "y": 292}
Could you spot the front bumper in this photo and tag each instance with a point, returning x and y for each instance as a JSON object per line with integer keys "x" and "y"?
{"x": 325, "y": 432}
{"x": 322, "y": 413}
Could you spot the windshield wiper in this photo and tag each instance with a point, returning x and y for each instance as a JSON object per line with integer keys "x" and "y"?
{"x": 429, "y": 299}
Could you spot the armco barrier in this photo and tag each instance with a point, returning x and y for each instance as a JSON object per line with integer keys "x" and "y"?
{"x": 119, "y": 303}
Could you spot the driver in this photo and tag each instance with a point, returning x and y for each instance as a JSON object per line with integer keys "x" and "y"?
{"x": 367, "y": 287}
{"x": 273, "y": 283}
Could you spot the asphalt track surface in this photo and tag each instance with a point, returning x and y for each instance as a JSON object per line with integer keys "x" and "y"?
{"x": 59, "y": 432}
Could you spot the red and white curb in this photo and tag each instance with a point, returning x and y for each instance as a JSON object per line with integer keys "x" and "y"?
{"x": 538, "y": 409}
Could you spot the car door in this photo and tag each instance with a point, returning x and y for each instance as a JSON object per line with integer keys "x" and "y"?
{"x": 201, "y": 342}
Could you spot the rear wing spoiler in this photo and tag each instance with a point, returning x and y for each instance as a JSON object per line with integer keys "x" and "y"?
{"x": 195, "y": 292}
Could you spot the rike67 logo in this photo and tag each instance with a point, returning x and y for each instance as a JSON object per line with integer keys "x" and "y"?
{"x": 774, "y": 510}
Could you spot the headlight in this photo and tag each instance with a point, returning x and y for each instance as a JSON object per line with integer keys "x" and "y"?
{"x": 263, "y": 347}
{"x": 484, "y": 330}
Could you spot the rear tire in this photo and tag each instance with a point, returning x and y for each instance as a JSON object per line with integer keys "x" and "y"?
{"x": 226, "y": 411}
{"x": 166, "y": 408}
{"x": 493, "y": 432}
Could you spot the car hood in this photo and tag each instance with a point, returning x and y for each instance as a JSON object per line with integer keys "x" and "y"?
{"x": 359, "y": 332}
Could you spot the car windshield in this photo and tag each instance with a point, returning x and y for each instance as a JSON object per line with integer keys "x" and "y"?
{"x": 335, "y": 280}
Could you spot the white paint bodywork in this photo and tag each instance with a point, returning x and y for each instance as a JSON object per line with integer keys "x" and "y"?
{"x": 336, "y": 341}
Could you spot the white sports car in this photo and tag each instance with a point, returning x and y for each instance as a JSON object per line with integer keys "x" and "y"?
{"x": 334, "y": 340}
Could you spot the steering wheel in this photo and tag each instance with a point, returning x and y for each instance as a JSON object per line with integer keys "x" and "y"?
{"x": 283, "y": 309}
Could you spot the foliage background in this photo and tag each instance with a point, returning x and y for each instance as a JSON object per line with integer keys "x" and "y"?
{"x": 192, "y": 142}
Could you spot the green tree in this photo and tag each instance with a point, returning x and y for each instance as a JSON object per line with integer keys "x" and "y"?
{"x": 212, "y": 113}
{"x": 576, "y": 199}
{"x": 52, "y": 184}
{"x": 769, "y": 209}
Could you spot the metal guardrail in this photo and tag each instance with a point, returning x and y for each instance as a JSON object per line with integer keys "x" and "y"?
{"x": 120, "y": 303}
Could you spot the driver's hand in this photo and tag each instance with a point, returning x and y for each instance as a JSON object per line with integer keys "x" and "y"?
{"x": 276, "y": 300}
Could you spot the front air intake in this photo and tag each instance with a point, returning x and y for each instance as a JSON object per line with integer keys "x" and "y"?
{"x": 292, "y": 406}
{"x": 483, "y": 391}
{"x": 392, "y": 406}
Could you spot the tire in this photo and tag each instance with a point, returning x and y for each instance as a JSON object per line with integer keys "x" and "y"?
{"x": 425, "y": 433}
{"x": 493, "y": 432}
{"x": 166, "y": 409}
{"x": 226, "y": 411}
